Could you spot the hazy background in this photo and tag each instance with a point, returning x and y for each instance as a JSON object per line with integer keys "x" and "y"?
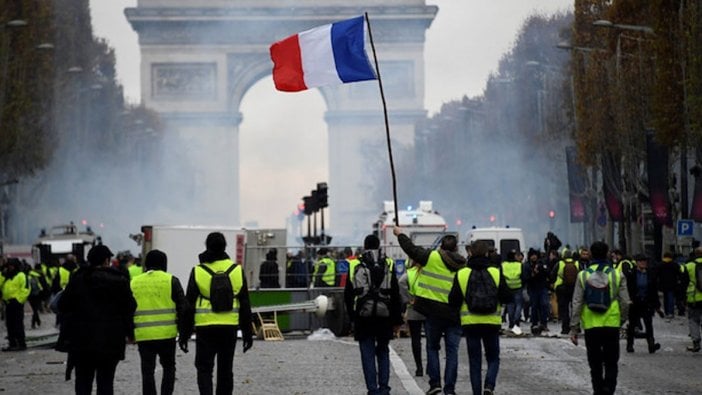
{"x": 463, "y": 47}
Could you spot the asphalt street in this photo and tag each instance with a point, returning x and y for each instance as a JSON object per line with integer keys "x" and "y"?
{"x": 529, "y": 365}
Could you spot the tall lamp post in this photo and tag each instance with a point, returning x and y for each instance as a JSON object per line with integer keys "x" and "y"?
{"x": 646, "y": 30}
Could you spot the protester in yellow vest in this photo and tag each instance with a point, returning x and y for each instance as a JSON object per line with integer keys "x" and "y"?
{"x": 442, "y": 321}
{"x": 15, "y": 291}
{"x": 691, "y": 280}
{"x": 414, "y": 319}
{"x": 324, "y": 273}
{"x": 217, "y": 330}
{"x": 480, "y": 310}
{"x": 161, "y": 309}
{"x": 512, "y": 269}
{"x": 601, "y": 315}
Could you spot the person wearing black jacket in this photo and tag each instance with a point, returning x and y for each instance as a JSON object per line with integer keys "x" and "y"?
{"x": 442, "y": 320}
{"x": 216, "y": 331}
{"x": 97, "y": 308}
{"x": 481, "y": 327}
{"x": 642, "y": 285}
{"x": 373, "y": 302}
{"x": 268, "y": 273}
{"x": 537, "y": 287}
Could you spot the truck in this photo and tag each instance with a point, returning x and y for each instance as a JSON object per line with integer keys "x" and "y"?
{"x": 502, "y": 239}
{"x": 61, "y": 240}
{"x": 423, "y": 225}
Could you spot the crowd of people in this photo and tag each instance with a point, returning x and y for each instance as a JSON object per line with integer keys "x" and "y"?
{"x": 104, "y": 303}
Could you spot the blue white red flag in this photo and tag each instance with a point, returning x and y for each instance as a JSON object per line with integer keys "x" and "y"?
{"x": 326, "y": 55}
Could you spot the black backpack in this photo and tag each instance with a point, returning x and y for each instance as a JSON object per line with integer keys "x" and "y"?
{"x": 481, "y": 292}
{"x": 221, "y": 291}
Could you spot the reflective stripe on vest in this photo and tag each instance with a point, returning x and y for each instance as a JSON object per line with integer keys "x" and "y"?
{"x": 155, "y": 316}
{"x": 435, "y": 279}
{"x": 204, "y": 316}
{"x": 611, "y": 317}
{"x": 693, "y": 294}
{"x": 469, "y": 318}
{"x": 513, "y": 274}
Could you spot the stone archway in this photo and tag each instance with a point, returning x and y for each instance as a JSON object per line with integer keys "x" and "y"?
{"x": 198, "y": 61}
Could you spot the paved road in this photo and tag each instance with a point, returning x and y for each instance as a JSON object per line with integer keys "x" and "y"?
{"x": 301, "y": 366}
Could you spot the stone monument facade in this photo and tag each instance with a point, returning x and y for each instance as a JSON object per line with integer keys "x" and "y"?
{"x": 199, "y": 58}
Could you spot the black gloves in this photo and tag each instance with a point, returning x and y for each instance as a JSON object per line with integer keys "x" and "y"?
{"x": 248, "y": 341}
{"x": 183, "y": 343}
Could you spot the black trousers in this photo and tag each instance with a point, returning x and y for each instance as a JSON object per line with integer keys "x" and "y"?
{"x": 415, "y": 329}
{"x": 35, "y": 303}
{"x": 14, "y": 319}
{"x": 564, "y": 295}
{"x": 602, "y": 346}
{"x": 216, "y": 341}
{"x": 165, "y": 350}
{"x": 99, "y": 367}
{"x": 637, "y": 312}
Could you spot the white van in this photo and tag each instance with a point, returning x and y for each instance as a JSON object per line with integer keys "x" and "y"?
{"x": 502, "y": 239}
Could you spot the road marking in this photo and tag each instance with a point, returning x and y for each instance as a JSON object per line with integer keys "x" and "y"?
{"x": 408, "y": 382}
{"x": 406, "y": 379}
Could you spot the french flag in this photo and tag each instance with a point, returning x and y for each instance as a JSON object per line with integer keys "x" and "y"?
{"x": 326, "y": 55}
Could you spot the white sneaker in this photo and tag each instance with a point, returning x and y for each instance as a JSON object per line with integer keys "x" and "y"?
{"x": 517, "y": 330}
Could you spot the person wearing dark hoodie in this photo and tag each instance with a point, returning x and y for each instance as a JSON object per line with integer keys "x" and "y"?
{"x": 481, "y": 324}
{"x": 537, "y": 286}
{"x": 97, "y": 308}
{"x": 216, "y": 330}
{"x": 642, "y": 285}
{"x": 268, "y": 273}
{"x": 432, "y": 299}
{"x": 160, "y": 312}
{"x": 374, "y": 305}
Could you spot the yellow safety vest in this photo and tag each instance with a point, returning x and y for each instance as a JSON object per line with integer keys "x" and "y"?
{"x": 611, "y": 317}
{"x": 204, "y": 316}
{"x": 512, "y": 270}
{"x": 329, "y": 276}
{"x": 693, "y": 294}
{"x": 134, "y": 271}
{"x": 16, "y": 287}
{"x": 64, "y": 275}
{"x": 435, "y": 280}
{"x": 412, "y": 277}
{"x": 468, "y": 317}
{"x": 353, "y": 262}
{"x": 155, "y": 315}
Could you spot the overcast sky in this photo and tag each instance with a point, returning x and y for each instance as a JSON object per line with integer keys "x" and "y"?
{"x": 463, "y": 46}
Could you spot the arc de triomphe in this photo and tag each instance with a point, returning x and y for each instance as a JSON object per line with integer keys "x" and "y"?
{"x": 198, "y": 59}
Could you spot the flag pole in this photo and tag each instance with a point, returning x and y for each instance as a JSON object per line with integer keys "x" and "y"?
{"x": 387, "y": 124}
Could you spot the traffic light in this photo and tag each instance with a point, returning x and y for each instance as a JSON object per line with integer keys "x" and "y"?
{"x": 551, "y": 214}
{"x": 308, "y": 205}
{"x": 322, "y": 194}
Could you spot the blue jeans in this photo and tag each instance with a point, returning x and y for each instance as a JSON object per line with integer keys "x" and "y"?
{"x": 540, "y": 306}
{"x": 435, "y": 329}
{"x": 489, "y": 335}
{"x": 669, "y": 302}
{"x": 376, "y": 379}
{"x": 514, "y": 309}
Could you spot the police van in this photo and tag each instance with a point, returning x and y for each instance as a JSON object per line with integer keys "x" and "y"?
{"x": 502, "y": 239}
